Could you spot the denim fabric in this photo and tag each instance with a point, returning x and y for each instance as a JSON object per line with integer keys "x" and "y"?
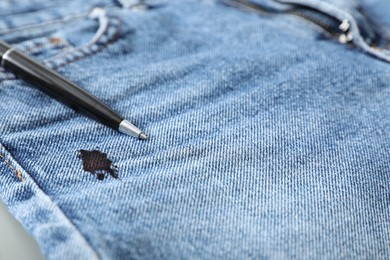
{"x": 269, "y": 138}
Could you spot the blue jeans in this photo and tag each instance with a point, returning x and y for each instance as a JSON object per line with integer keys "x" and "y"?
{"x": 269, "y": 126}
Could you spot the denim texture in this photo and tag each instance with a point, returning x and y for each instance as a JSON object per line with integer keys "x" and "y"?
{"x": 268, "y": 137}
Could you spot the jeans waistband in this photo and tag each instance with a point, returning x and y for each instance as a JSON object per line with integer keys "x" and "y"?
{"x": 355, "y": 26}
{"x": 28, "y": 13}
{"x": 361, "y": 32}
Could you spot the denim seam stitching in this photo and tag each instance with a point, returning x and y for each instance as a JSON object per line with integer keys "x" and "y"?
{"x": 59, "y": 20}
{"x": 26, "y": 12}
{"x": 27, "y": 175}
{"x": 86, "y": 51}
{"x": 37, "y": 25}
{"x": 46, "y": 46}
{"x": 17, "y": 172}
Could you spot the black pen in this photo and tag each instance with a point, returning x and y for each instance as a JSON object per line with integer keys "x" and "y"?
{"x": 64, "y": 90}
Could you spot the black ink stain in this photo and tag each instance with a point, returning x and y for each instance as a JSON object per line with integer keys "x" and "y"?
{"x": 97, "y": 163}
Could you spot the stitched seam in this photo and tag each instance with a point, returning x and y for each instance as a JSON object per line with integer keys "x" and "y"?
{"x": 26, "y": 11}
{"x": 89, "y": 50}
{"x": 18, "y": 173}
{"x": 45, "y": 46}
{"x": 56, "y": 21}
{"x": 86, "y": 50}
{"x": 54, "y": 204}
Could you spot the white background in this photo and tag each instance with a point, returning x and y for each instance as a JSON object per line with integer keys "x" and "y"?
{"x": 15, "y": 243}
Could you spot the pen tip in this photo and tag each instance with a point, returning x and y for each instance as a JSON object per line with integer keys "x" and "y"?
{"x": 143, "y": 136}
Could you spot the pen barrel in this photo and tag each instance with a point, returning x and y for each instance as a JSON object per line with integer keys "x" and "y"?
{"x": 4, "y": 47}
{"x": 60, "y": 88}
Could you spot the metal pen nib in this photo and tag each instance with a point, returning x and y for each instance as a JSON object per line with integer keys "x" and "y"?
{"x": 143, "y": 136}
{"x": 128, "y": 128}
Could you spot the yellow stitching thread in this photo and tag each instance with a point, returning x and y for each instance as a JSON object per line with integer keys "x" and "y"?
{"x": 17, "y": 172}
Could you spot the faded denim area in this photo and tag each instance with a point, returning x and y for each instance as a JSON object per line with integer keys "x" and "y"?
{"x": 269, "y": 136}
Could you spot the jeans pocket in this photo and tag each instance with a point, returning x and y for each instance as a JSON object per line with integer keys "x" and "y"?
{"x": 60, "y": 42}
{"x": 346, "y": 25}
